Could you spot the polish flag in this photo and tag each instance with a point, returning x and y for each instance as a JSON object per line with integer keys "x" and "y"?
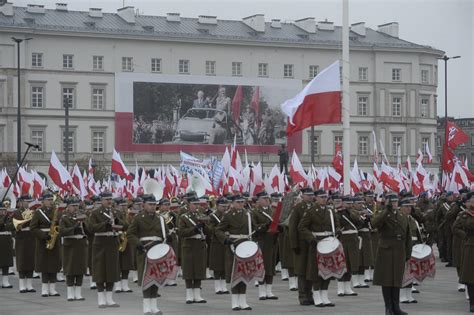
{"x": 118, "y": 167}
{"x": 408, "y": 164}
{"x": 90, "y": 169}
{"x": 387, "y": 178}
{"x": 419, "y": 157}
{"x": 38, "y": 185}
{"x": 79, "y": 182}
{"x": 416, "y": 186}
{"x": 318, "y": 103}
{"x": 297, "y": 173}
{"x": 428, "y": 152}
{"x": 465, "y": 168}
{"x": 355, "y": 178}
{"x": 459, "y": 176}
{"x": 58, "y": 173}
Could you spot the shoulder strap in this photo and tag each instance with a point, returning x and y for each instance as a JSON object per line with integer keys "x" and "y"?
{"x": 44, "y": 215}
{"x": 163, "y": 231}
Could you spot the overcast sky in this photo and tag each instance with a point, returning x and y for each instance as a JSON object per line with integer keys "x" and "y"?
{"x": 444, "y": 24}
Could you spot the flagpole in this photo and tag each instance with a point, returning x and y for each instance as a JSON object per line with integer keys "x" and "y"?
{"x": 346, "y": 150}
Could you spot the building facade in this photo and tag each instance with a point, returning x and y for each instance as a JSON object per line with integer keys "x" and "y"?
{"x": 74, "y": 58}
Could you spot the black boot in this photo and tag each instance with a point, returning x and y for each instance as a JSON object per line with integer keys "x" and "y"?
{"x": 470, "y": 290}
{"x": 396, "y": 302}
{"x": 387, "y": 298}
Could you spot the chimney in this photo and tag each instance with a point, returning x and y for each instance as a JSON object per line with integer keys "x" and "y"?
{"x": 7, "y": 9}
{"x": 95, "y": 12}
{"x": 127, "y": 14}
{"x": 256, "y": 22}
{"x": 173, "y": 17}
{"x": 389, "y": 29}
{"x": 35, "y": 8}
{"x": 325, "y": 26}
{"x": 307, "y": 24}
{"x": 358, "y": 28}
{"x": 61, "y": 7}
{"x": 276, "y": 23}
{"x": 207, "y": 19}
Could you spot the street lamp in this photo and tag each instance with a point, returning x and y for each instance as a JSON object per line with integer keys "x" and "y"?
{"x": 446, "y": 58}
{"x": 18, "y": 124}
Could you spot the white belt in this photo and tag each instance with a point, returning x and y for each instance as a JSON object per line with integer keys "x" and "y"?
{"x": 364, "y": 230}
{"x": 6, "y": 233}
{"x": 25, "y": 229}
{"x": 76, "y": 237}
{"x": 45, "y": 230}
{"x": 327, "y": 233}
{"x": 414, "y": 238}
{"x": 105, "y": 234}
{"x": 238, "y": 236}
{"x": 349, "y": 232}
{"x": 173, "y": 230}
{"x": 195, "y": 236}
{"x": 150, "y": 238}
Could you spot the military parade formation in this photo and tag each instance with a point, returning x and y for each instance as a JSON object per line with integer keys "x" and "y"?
{"x": 239, "y": 241}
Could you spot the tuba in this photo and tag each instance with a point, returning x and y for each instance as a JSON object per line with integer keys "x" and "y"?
{"x": 53, "y": 231}
{"x": 152, "y": 186}
{"x": 123, "y": 242}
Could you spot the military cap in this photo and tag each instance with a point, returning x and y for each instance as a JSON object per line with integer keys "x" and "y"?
{"x": 149, "y": 198}
{"x": 320, "y": 192}
{"x": 106, "y": 195}
{"x": 336, "y": 196}
{"x": 276, "y": 195}
{"x": 391, "y": 197}
{"x": 222, "y": 201}
{"x": 95, "y": 198}
{"x": 72, "y": 201}
{"x": 25, "y": 198}
{"x": 47, "y": 195}
{"x": 137, "y": 200}
{"x": 347, "y": 199}
{"x": 463, "y": 191}
{"x": 469, "y": 195}
{"x": 238, "y": 197}
{"x": 262, "y": 194}
{"x": 164, "y": 202}
{"x": 307, "y": 191}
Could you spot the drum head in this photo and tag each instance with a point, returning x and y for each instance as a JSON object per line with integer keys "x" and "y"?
{"x": 246, "y": 249}
{"x": 420, "y": 251}
{"x": 158, "y": 251}
{"x": 328, "y": 245}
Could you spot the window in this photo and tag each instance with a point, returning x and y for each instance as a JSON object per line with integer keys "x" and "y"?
{"x": 363, "y": 74}
{"x": 362, "y": 102}
{"x": 127, "y": 64}
{"x": 396, "y": 106}
{"x": 438, "y": 142}
{"x": 288, "y": 71}
{"x": 98, "y": 141}
{"x": 37, "y": 96}
{"x": 313, "y": 71}
{"x": 155, "y": 64}
{"x": 98, "y": 98}
{"x": 314, "y": 144}
{"x": 424, "y": 76}
{"x": 263, "y": 69}
{"x": 68, "y": 96}
{"x": 396, "y": 75}
{"x": 236, "y": 68}
{"x": 424, "y": 106}
{"x": 425, "y": 141}
{"x": 37, "y": 60}
{"x": 183, "y": 66}
{"x": 68, "y": 61}
{"x": 338, "y": 140}
{"x": 69, "y": 144}
{"x": 97, "y": 63}
{"x": 37, "y": 137}
{"x": 396, "y": 142}
{"x": 210, "y": 67}
{"x": 363, "y": 148}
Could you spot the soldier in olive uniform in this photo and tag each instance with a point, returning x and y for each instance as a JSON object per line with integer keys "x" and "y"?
{"x": 366, "y": 258}
{"x": 393, "y": 251}
{"x": 74, "y": 249}
{"x": 317, "y": 223}
{"x": 96, "y": 203}
{"x": 444, "y": 206}
{"x": 300, "y": 247}
{"x": 24, "y": 247}
{"x": 459, "y": 237}
{"x": 194, "y": 252}
{"x": 164, "y": 209}
{"x": 126, "y": 257}
{"x": 286, "y": 254}
{"x": 467, "y": 272}
{"x": 262, "y": 218}
{"x": 135, "y": 209}
{"x": 429, "y": 217}
{"x": 231, "y": 231}
{"x": 447, "y": 225}
{"x": 146, "y": 231}
{"x": 105, "y": 255}
{"x": 47, "y": 261}
{"x": 217, "y": 251}
{"x": 6, "y": 243}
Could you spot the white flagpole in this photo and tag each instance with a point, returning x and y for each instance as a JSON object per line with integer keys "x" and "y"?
{"x": 346, "y": 150}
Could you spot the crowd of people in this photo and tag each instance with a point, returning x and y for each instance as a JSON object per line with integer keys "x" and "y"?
{"x": 109, "y": 238}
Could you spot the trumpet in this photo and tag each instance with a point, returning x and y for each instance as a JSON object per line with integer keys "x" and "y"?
{"x": 27, "y": 215}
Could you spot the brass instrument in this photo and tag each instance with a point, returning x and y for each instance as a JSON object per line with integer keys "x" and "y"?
{"x": 123, "y": 240}
{"x": 53, "y": 231}
{"x": 27, "y": 215}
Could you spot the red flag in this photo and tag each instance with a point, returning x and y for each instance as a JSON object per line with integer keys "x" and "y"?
{"x": 455, "y": 135}
{"x": 238, "y": 97}
{"x": 448, "y": 159}
{"x": 337, "y": 161}
{"x": 254, "y": 104}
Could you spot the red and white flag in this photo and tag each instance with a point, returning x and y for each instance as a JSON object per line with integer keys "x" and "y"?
{"x": 318, "y": 103}
{"x": 455, "y": 135}
{"x": 58, "y": 173}
{"x": 419, "y": 157}
{"x": 118, "y": 167}
{"x": 297, "y": 173}
{"x": 428, "y": 152}
{"x": 78, "y": 182}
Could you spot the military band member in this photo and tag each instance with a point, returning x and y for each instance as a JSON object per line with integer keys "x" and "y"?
{"x": 135, "y": 209}
{"x": 467, "y": 272}
{"x": 170, "y": 217}
{"x": 105, "y": 254}
{"x": 315, "y": 226}
{"x": 300, "y": 247}
{"x": 146, "y": 231}
{"x": 47, "y": 260}
{"x": 71, "y": 230}
{"x": 459, "y": 237}
{"x": 267, "y": 242}
{"x": 217, "y": 251}
{"x": 6, "y": 242}
{"x": 192, "y": 232}
{"x": 96, "y": 203}
{"x": 444, "y": 236}
{"x": 126, "y": 256}
{"x": 231, "y": 231}
{"x": 365, "y": 239}
{"x": 394, "y": 250}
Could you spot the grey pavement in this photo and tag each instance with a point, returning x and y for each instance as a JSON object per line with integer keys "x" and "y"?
{"x": 438, "y": 296}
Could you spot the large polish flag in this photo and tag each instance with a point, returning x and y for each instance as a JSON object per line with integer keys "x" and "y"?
{"x": 118, "y": 167}
{"x": 318, "y": 103}
{"x": 59, "y": 175}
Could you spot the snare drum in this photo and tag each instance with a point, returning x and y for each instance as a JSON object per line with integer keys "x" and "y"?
{"x": 330, "y": 258}
{"x": 160, "y": 266}
{"x": 248, "y": 264}
{"x": 422, "y": 262}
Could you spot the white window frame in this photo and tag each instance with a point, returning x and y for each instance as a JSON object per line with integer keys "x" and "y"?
{"x": 69, "y": 93}
{"x": 210, "y": 67}
{"x": 424, "y": 107}
{"x": 263, "y": 70}
{"x": 363, "y": 74}
{"x": 236, "y": 68}
{"x": 34, "y": 139}
{"x": 36, "y": 94}
{"x": 127, "y": 64}
{"x": 396, "y": 105}
{"x": 363, "y": 145}
{"x": 394, "y": 144}
{"x": 313, "y": 71}
{"x": 95, "y": 97}
{"x": 425, "y": 139}
{"x": 425, "y": 79}
{"x": 362, "y": 105}
{"x": 98, "y": 63}
{"x": 37, "y": 60}
{"x": 72, "y": 139}
{"x": 68, "y": 61}
{"x": 288, "y": 71}
{"x": 396, "y": 74}
{"x": 184, "y": 66}
{"x": 94, "y": 139}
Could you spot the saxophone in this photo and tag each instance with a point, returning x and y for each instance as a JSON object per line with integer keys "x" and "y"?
{"x": 123, "y": 240}
{"x": 53, "y": 231}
